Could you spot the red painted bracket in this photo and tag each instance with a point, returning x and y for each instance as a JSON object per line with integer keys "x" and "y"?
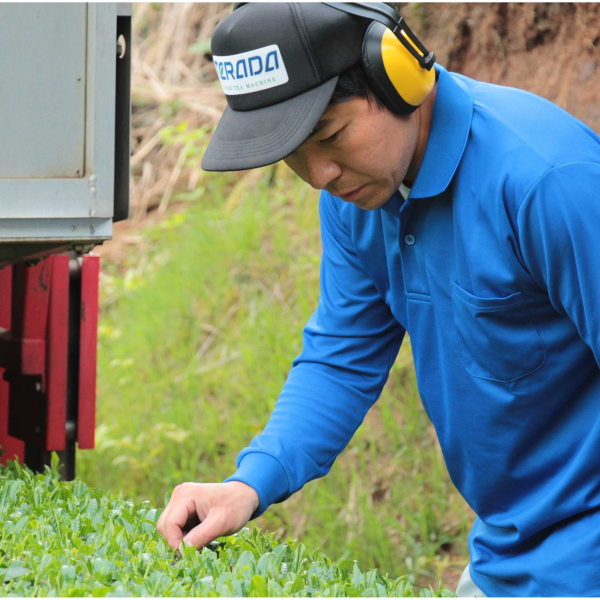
{"x": 34, "y": 354}
{"x": 13, "y": 447}
{"x": 23, "y": 348}
{"x": 88, "y": 342}
{"x": 39, "y": 337}
{"x": 57, "y": 359}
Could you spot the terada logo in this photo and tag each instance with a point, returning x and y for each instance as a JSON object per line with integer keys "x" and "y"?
{"x": 252, "y": 71}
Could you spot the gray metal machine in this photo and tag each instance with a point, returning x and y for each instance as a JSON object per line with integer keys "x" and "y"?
{"x": 64, "y": 124}
{"x": 65, "y": 107}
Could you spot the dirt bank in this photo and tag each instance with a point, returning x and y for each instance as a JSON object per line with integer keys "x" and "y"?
{"x": 550, "y": 49}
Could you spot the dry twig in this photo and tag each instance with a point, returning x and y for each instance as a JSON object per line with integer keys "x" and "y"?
{"x": 167, "y": 77}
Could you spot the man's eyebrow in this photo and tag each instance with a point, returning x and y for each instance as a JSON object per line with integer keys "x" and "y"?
{"x": 320, "y": 125}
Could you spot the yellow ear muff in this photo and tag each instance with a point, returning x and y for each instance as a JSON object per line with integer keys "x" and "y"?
{"x": 412, "y": 82}
{"x": 394, "y": 73}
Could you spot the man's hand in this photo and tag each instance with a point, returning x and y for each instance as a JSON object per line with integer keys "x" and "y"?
{"x": 201, "y": 512}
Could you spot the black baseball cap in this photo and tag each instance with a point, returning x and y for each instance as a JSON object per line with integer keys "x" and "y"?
{"x": 278, "y": 64}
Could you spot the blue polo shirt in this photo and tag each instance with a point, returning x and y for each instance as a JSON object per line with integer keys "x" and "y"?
{"x": 492, "y": 266}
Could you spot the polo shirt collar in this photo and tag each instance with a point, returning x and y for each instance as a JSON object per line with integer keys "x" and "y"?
{"x": 450, "y": 126}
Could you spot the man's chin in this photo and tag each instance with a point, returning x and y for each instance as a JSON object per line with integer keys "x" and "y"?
{"x": 371, "y": 201}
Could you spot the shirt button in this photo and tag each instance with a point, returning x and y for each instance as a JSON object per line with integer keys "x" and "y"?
{"x": 410, "y": 240}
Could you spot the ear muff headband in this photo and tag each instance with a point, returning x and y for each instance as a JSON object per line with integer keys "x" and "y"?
{"x": 387, "y": 16}
{"x": 397, "y": 64}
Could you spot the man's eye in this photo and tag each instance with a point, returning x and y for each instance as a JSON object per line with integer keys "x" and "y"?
{"x": 331, "y": 138}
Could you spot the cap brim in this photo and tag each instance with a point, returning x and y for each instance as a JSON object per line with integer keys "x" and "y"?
{"x": 255, "y": 138}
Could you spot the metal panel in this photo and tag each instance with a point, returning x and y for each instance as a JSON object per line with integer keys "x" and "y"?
{"x": 22, "y": 230}
{"x": 100, "y": 124}
{"x": 124, "y": 9}
{"x": 50, "y": 198}
{"x": 57, "y": 132}
{"x": 42, "y": 123}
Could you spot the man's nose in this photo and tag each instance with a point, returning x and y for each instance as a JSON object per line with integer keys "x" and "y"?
{"x": 320, "y": 170}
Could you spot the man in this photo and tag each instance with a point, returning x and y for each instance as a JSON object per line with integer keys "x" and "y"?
{"x": 471, "y": 223}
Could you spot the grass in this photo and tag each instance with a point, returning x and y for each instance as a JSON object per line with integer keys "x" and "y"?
{"x": 65, "y": 539}
{"x": 197, "y": 334}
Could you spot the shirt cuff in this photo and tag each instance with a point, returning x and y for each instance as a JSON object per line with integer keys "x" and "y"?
{"x": 266, "y": 475}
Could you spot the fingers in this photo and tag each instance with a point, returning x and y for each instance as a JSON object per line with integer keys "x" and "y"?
{"x": 180, "y": 510}
{"x": 213, "y": 527}
{"x": 200, "y": 536}
{"x": 209, "y": 510}
{"x": 160, "y": 525}
{"x": 161, "y": 521}
{"x": 177, "y": 518}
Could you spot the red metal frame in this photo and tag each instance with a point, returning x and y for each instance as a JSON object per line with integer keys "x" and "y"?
{"x": 88, "y": 342}
{"x": 25, "y": 344}
{"x": 34, "y": 354}
{"x": 13, "y": 447}
{"x": 57, "y": 358}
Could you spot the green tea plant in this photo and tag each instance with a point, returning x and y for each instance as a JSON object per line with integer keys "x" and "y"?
{"x": 67, "y": 539}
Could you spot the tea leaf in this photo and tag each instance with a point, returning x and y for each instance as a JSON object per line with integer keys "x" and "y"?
{"x": 62, "y": 538}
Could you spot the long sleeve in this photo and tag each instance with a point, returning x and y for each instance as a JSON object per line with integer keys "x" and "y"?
{"x": 559, "y": 231}
{"x": 349, "y": 345}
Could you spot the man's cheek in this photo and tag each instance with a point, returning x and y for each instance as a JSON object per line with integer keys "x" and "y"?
{"x": 294, "y": 166}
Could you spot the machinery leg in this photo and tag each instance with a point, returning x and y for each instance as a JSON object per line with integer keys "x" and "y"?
{"x": 49, "y": 361}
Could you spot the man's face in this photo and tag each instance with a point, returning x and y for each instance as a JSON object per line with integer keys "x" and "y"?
{"x": 358, "y": 152}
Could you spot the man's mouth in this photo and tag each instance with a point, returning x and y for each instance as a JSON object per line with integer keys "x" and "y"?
{"x": 351, "y": 195}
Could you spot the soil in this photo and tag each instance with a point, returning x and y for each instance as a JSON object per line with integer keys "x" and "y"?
{"x": 550, "y": 49}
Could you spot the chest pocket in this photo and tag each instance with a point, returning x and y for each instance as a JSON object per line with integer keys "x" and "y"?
{"x": 496, "y": 337}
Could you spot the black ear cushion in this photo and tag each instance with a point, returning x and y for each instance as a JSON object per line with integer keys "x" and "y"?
{"x": 376, "y": 73}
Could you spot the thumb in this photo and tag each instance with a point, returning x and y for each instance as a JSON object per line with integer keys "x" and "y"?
{"x": 206, "y": 532}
